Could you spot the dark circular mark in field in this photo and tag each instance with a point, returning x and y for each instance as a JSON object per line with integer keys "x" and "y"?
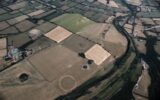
{"x": 23, "y": 77}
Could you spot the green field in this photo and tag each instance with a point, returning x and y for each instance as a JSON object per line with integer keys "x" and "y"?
{"x": 72, "y": 22}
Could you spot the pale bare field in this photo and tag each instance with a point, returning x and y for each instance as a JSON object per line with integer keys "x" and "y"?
{"x": 58, "y": 34}
{"x": 98, "y": 54}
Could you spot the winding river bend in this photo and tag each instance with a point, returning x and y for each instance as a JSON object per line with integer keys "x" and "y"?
{"x": 151, "y": 58}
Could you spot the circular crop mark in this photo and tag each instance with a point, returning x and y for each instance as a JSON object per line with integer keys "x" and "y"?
{"x": 67, "y": 83}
